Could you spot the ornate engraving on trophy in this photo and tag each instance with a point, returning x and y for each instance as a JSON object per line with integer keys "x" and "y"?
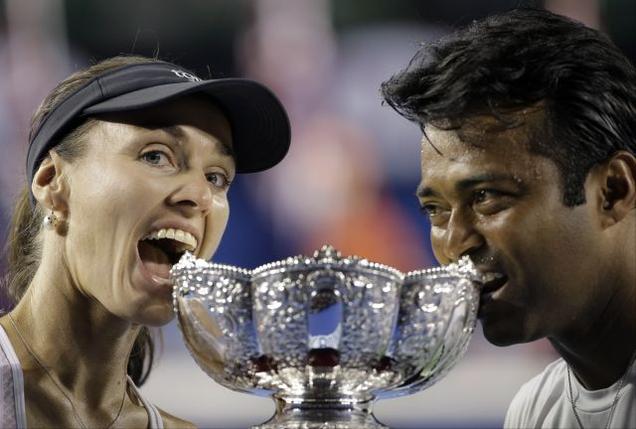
{"x": 325, "y": 336}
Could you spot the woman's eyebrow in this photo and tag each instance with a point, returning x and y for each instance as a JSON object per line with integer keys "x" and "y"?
{"x": 174, "y": 130}
{"x": 227, "y": 149}
{"x": 177, "y": 132}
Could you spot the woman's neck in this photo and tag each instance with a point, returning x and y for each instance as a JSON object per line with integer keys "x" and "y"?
{"x": 81, "y": 345}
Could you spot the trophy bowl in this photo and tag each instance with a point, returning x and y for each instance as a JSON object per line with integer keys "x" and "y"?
{"x": 325, "y": 336}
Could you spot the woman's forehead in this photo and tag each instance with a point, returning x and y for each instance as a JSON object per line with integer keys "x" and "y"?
{"x": 108, "y": 136}
{"x": 171, "y": 118}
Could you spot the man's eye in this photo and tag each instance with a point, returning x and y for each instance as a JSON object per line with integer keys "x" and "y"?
{"x": 156, "y": 157}
{"x": 490, "y": 201}
{"x": 436, "y": 214}
{"x": 431, "y": 210}
{"x": 219, "y": 180}
{"x": 483, "y": 195}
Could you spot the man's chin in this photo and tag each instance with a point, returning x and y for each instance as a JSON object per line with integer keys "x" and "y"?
{"x": 503, "y": 334}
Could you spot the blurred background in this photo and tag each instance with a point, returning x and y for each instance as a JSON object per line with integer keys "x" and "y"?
{"x": 351, "y": 173}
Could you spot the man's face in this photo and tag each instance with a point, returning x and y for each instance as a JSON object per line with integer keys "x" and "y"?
{"x": 490, "y": 198}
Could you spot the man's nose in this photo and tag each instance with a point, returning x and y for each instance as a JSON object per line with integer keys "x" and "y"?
{"x": 192, "y": 195}
{"x": 461, "y": 236}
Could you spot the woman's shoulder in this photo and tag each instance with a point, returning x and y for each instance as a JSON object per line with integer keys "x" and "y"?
{"x": 7, "y": 352}
{"x": 170, "y": 421}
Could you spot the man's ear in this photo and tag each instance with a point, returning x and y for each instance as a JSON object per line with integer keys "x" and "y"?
{"x": 618, "y": 187}
{"x": 49, "y": 185}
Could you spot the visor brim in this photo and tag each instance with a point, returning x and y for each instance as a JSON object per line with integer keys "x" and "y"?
{"x": 260, "y": 127}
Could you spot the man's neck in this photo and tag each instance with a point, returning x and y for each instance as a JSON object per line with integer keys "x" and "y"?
{"x": 600, "y": 355}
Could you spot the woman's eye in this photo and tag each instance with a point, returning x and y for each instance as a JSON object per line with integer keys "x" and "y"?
{"x": 156, "y": 157}
{"x": 219, "y": 180}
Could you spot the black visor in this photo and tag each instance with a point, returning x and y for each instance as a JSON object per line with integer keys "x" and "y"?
{"x": 260, "y": 127}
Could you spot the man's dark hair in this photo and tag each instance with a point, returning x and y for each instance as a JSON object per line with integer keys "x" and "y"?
{"x": 520, "y": 58}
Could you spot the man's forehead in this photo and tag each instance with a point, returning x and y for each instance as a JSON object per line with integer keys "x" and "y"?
{"x": 521, "y": 125}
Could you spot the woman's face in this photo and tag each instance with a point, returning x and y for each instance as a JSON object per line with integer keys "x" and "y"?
{"x": 151, "y": 185}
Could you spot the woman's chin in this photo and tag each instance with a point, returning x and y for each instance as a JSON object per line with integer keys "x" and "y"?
{"x": 152, "y": 314}
{"x": 153, "y": 304}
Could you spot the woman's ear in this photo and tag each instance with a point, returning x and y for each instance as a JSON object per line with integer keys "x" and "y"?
{"x": 618, "y": 188}
{"x": 49, "y": 184}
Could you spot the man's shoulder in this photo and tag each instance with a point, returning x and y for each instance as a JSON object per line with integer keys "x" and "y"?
{"x": 536, "y": 395}
{"x": 549, "y": 379}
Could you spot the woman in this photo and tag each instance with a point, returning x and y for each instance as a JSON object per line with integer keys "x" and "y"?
{"x": 128, "y": 167}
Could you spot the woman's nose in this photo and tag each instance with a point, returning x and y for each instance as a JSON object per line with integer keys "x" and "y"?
{"x": 193, "y": 194}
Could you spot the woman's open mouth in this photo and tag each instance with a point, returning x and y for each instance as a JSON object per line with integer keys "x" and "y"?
{"x": 162, "y": 248}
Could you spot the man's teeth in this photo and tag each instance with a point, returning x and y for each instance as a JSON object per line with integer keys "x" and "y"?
{"x": 190, "y": 243}
{"x": 488, "y": 277}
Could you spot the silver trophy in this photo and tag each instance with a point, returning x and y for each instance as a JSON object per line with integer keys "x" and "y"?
{"x": 325, "y": 336}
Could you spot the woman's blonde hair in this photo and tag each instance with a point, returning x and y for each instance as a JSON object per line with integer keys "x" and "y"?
{"x": 24, "y": 245}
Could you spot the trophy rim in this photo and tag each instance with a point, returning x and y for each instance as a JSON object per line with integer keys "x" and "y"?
{"x": 326, "y": 258}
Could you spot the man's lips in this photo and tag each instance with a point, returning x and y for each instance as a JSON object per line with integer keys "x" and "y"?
{"x": 488, "y": 289}
{"x": 493, "y": 282}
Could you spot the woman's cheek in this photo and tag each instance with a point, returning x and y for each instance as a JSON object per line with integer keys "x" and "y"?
{"x": 215, "y": 225}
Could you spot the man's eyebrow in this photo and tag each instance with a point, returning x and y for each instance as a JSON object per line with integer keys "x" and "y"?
{"x": 470, "y": 182}
{"x": 177, "y": 132}
{"x": 464, "y": 184}
{"x": 424, "y": 191}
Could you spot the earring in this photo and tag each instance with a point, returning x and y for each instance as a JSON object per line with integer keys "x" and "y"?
{"x": 50, "y": 221}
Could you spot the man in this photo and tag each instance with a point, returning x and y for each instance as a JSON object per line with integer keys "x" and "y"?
{"x": 529, "y": 167}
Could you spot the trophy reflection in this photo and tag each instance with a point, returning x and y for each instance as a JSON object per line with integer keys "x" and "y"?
{"x": 325, "y": 336}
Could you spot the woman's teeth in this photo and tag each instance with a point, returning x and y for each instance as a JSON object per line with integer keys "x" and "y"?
{"x": 183, "y": 237}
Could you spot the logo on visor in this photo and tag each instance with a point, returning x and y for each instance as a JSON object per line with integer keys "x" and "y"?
{"x": 185, "y": 75}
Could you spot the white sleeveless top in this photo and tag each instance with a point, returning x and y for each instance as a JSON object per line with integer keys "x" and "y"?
{"x": 12, "y": 410}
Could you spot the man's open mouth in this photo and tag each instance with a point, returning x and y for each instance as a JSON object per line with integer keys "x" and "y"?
{"x": 161, "y": 249}
{"x": 492, "y": 281}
